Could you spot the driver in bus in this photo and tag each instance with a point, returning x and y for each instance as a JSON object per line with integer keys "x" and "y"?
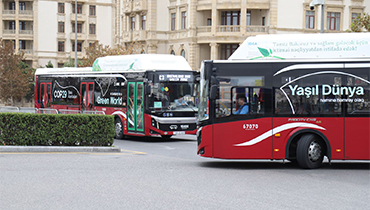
{"x": 180, "y": 101}
{"x": 243, "y": 106}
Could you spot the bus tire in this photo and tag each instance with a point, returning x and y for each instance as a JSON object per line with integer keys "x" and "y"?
{"x": 309, "y": 152}
{"x": 118, "y": 127}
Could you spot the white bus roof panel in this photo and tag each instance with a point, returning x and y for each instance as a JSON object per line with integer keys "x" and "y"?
{"x": 290, "y": 46}
{"x": 140, "y": 62}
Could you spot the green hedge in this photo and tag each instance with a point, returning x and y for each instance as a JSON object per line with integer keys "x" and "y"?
{"x": 56, "y": 129}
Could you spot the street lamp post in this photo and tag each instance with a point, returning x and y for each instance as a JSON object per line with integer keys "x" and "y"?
{"x": 312, "y": 7}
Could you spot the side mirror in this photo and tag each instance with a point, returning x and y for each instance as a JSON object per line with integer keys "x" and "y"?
{"x": 213, "y": 92}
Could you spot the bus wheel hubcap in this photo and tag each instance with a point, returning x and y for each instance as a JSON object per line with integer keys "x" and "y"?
{"x": 314, "y": 151}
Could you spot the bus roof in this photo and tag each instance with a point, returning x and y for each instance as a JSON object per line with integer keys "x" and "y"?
{"x": 64, "y": 70}
{"x": 291, "y": 46}
{"x": 141, "y": 62}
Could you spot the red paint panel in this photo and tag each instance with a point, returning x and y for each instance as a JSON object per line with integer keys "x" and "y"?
{"x": 357, "y": 138}
{"x": 207, "y": 141}
{"x": 227, "y": 136}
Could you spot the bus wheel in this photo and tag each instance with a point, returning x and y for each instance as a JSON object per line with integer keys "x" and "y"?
{"x": 118, "y": 129}
{"x": 309, "y": 152}
{"x": 166, "y": 137}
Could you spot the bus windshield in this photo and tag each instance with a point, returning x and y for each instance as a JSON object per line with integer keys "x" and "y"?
{"x": 174, "y": 96}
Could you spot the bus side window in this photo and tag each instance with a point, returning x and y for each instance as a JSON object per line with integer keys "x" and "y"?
{"x": 251, "y": 100}
{"x": 360, "y": 105}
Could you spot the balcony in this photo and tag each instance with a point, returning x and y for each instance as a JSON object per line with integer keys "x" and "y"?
{"x": 80, "y": 36}
{"x": 80, "y": 17}
{"x": 24, "y": 34}
{"x": 139, "y": 35}
{"x": 8, "y": 14}
{"x": 6, "y": 31}
{"x": 25, "y": 14}
{"x": 127, "y": 36}
{"x": 207, "y": 30}
{"x": 27, "y": 52}
{"x": 179, "y": 34}
{"x": 228, "y": 28}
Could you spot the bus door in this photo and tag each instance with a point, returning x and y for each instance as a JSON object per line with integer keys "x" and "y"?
{"x": 135, "y": 107}
{"x": 87, "y": 96}
{"x": 45, "y": 94}
{"x": 243, "y": 134}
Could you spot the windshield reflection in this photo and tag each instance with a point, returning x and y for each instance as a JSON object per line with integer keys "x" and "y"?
{"x": 173, "y": 96}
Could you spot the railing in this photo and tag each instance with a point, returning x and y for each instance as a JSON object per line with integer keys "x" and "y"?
{"x": 28, "y": 32}
{"x": 9, "y": 109}
{"x": 258, "y": 29}
{"x": 26, "y": 51}
{"x": 47, "y": 110}
{"x": 9, "y": 12}
{"x": 7, "y": 31}
{"x": 25, "y": 12}
{"x": 228, "y": 28}
{"x": 204, "y": 29}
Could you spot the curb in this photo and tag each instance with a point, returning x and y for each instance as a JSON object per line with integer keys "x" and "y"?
{"x": 58, "y": 149}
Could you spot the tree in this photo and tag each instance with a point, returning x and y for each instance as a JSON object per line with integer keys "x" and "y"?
{"x": 361, "y": 22}
{"x": 97, "y": 50}
{"x": 15, "y": 76}
{"x": 49, "y": 65}
{"x": 71, "y": 62}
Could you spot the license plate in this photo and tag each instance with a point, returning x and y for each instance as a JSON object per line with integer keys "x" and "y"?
{"x": 179, "y": 133}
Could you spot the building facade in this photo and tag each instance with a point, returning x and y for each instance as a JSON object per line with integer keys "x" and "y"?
{"x": 213, "y": 29}
{"x": 44, "y": 29}
{"x": 196, "y": 29}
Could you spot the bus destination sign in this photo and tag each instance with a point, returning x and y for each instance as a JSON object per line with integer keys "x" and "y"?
{"x": 175, "y": 77}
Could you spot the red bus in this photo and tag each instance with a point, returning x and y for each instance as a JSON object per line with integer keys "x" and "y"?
{"x": 139, "y": 90}
{"x": 298, "y": 109}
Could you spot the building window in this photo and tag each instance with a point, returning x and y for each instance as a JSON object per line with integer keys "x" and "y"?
{"x": 92, "y": 29}
{"x": 11, "y": 5}
{"x": 22, "y": 25}
{"x": 230, "y": 18}
{"x": 79, "y": 8}
{"x": 209, "y": 22}
{"x": 354, "y": 16}
{"x": 333, "y": 21}
{"x": 310, "y": 19}
{"x": 143, "y": 22}
{"x": 227, "y": 50}
{"x": 132, "y": 23}
{"x": 11, "y": 25}
{"x": 183, "y": 53}
{"x": 61, "y": 46}
{"x": 22, "y": 5}
{"x": 248, "y": 17}
{"x": 61, "y": 8}
{"x": 172, "y": 52}
{"x": 22, "y": 44}
{"x": 92, "y": 10}
{"x": 79, "y": 27}
{"x": 263, "y": 21}
{"x": 173, "y": 21}
{"x": 79, "y": 46}
{"x": 61, "y": 27}
{"x": 183, "y": 20}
